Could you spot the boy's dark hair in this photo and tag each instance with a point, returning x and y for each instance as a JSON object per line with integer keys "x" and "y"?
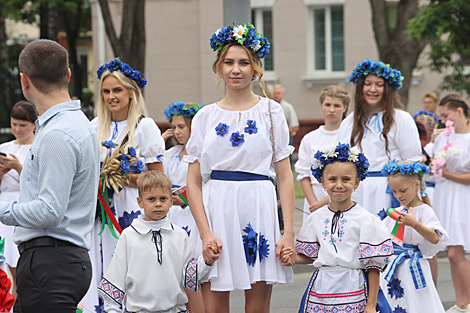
{"x": 152, "y": 179}
{"x": 46, "y": 64}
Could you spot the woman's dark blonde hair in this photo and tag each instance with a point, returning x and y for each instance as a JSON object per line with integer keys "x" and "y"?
{"x": 339, "y": 92}
{"x": 390, "y": 102}
{"x": 188, "y": 120}
{"x": 136, "y": 107}
{"x": 255, "y": 62}
{"x": 414, "y": 177}
{"x": 453, "y": 102}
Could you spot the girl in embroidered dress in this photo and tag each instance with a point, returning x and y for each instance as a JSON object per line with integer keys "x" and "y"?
{"x": 231, "y": 159}
{"x": 334, "y": 102}
{"x": 120, "y": 122}
{"x": 451, "y": 194}
{"x": 380, "y": 127}
{"x": 412, "y": 290}
{"x": 343, "y": 240}
{"x": 180, "y": 115}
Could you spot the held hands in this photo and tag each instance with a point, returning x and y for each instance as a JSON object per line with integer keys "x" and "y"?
{"x": 407, "y": 219}
{"x": 212, "y": 248}
{"x": 286, "y": 253}
{"x": 286, "y": 243}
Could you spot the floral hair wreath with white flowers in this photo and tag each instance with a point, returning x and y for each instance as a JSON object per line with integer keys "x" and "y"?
{"x": 405, "y": 168}
{"x": 342, "y": 153}
{"x": 380, "y": 69}
{"x": 125, "y": 69}
{"x": 245, "y": 35}
{"x": 180, "y": 108}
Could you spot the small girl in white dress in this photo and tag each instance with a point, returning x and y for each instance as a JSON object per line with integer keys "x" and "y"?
{"x": 334, "y": 102}
{"x": 347, "y": 244}
{"x": 452, "y": 195}
{"x": 180, "y": 115}
{"x": 408, "y": 282}
{"x": 381, "y": 129}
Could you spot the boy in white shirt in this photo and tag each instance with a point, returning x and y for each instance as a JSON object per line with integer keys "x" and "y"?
{"x": 152, "y": 261}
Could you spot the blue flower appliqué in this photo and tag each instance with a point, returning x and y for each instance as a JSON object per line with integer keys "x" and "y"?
{"x": 252, "y": 247}
{"x": 127, "y": 218}
{"x": 237, "y": 139}
{"x": 399, "y": 309}
{"x": 222, "y": 129}
{"x": 251, "y": 128}
{"x": 382, "y": 214}
{"x": 394, "y": 288}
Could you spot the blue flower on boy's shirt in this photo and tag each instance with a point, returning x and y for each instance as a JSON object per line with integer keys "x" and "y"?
{"x": 237, "y": 139}
{"x": 382, "y": 214}
{"x": 222, "y": 129}
{"x": 250, "y": 244}
{"x": 251, "y": 128}
{"x": 399, "y": 309}
{"x": 127, "y": 218}
{"x": 394, "y": 289}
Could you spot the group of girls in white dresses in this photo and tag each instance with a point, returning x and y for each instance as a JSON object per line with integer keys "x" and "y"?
{"x": 231, "y": 156}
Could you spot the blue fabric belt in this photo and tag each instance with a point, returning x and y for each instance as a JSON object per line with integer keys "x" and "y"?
{"x": 395, "y": 202}
{"x": 375, "y": 174}
{"x": 236, "y": 176}
{"x": 412, "y": 252}
{"x": 430, "y": 184}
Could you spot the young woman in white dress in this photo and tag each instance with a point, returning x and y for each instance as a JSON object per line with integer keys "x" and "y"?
{"x": 406, "y": 289}
{"x": 380, "y": 128}
{"x": 334, "y": 101}
{"x": 231, "y": 160}
{"x": 22, "y": 119}
{"x": 180, "y": 115}
{"x": 121, "y": 113}
{"x": 451, "y": 196}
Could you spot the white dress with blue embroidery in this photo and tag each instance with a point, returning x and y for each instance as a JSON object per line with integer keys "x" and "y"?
{"x": 310, "y": 144}
{"x": 242, "y": 214}
{"x": 403, "y": 143}
{"x": 150, "y": 147}
{"x": 451, "y": 199}
{"x": 176, "y": 169}
{"x": 342, "y": 245}
{"x": 400, "y": 289}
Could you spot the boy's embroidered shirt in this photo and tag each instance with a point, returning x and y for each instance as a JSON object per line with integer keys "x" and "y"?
{"x": 136, "y": 279}
{"x": 353, "y": 239}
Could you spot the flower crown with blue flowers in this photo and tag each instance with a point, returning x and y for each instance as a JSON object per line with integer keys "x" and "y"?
{"x": 342, "y": 153}
{"x": 405, "y": 168}
{"x": 425, "y": 113}
{"x": 245, "y": 35}
{"x": 369, "y": 67}
{"x": 125, "y": 69}
{"x": 180, "y": 108}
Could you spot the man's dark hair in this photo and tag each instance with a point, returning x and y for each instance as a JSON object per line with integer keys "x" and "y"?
{"x": 46, "y": 64}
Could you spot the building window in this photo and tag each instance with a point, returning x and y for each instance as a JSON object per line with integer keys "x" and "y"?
{"x": 262, "y": 19}
{"x": 327, "y": 39}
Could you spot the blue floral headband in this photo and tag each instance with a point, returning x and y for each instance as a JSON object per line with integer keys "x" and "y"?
{"x": 369, "y": 67}
{"x": 405, "y": 168}
{"x": 425, "y": 113}
{"x": 342, "y": 153}
{"x": 245, "y": 35}
{"x": 180, "y": 108}
{"x": 125, "y": 69}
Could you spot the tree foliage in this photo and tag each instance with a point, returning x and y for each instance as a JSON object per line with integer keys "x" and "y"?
{"x": 395, "y": 46}
{"x": 446, "y": 24}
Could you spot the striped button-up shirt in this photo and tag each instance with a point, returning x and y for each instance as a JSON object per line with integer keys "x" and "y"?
{"x": 59, "y": 180}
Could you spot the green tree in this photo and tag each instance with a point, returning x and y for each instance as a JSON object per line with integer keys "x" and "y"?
{"x": 446, "y": 24}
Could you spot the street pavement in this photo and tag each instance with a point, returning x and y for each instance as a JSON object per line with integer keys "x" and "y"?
{"x": 286, "y": 298}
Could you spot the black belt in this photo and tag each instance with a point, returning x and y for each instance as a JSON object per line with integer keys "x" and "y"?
{"x": 43, "y": 242}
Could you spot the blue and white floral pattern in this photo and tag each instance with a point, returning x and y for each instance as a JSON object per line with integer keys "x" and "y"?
{"x": 237, "y": 139}
{"x": 251, "y": 128}
{"x": 253, "y": 247}
{"x": 222, "y": 129}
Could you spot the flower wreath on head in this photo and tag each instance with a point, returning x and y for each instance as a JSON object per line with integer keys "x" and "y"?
{"x": 180, "y": 108}
{"x": 369, "y": 67}
{"x": 342, "y": 153}
{"x": 405, "y": 168}
{"x": 424, "y": 112}
{"x": 245, "y": 35}
{"x": 125, "y": 69}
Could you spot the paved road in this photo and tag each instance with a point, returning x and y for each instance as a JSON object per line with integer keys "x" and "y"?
{"x": 286, "y": 298}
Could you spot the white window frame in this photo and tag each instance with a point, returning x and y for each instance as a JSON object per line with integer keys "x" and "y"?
{"x": 327, "y": 75}
{"x": 269, "y": 76}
